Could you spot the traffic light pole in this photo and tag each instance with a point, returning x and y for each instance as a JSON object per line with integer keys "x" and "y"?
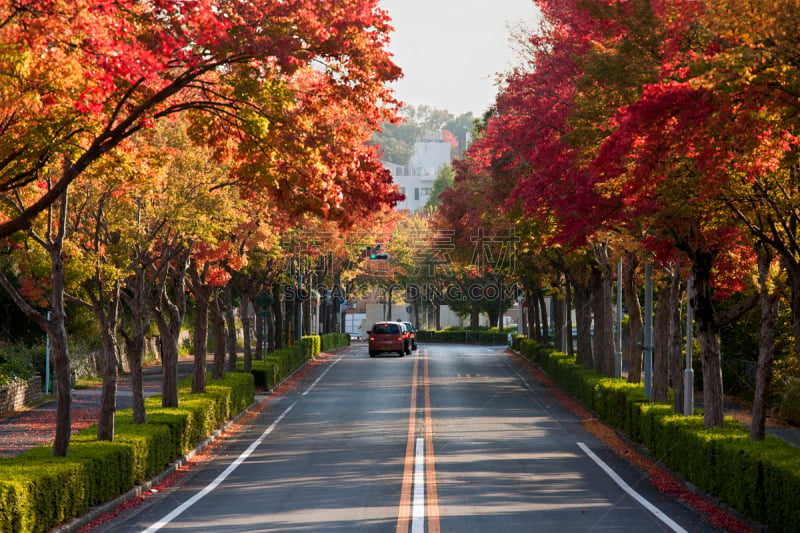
{"x": 299, "y": 305}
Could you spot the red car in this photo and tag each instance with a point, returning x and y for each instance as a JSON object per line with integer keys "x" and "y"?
{"x": 389, "y": 337}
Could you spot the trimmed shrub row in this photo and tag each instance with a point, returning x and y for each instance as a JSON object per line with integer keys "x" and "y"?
{"x": 39, "y": 491}
{"x": 281, "y": 363}
{"x": 461, "y": 336}
{"x": 759, "y": 479}
{"x": 330, "y": 341}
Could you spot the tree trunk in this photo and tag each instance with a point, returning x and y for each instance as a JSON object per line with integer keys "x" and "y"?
{"x": 535, "y": 319}
{"x": 201, "y": 305}
{"x": 596, "y": 297}
{"x": 271, "y": 333}
{"x": 136, "y": 300}
{"x": 106, "y": 308}
{"x": 766, "y": 348}
{"x": 558, "y": 321}
{"x": 708, "y": 337}
{"x": 134, "y": 349}
{"x": 169, "y": 332}
{"x": 500, "y": 306}
{"x": 169, "y": 361}
{"x": 217, "y": 320}
{"x": 792, "y": 268}
{"x": 492, "y": 318}
{"x": 533, "y": 330}
{"x": 56, "y": 328}
{"x": 169, "y": 315}
{"x": 244, "y": 311}
{"x": 290, "y": 320}
{"x": 583, "y": 318}
{"x": 543, "y": 315}
{"x": 475, "y": 315}
{"x": 340, "y": 325}
{"x": 58, "y": 339}
{"x": 230, "y": 323}
{"x": 63, "y": 378}
{"x": 661, "y": 336}
{"x": 277, "y": 308}
{"x": 203, "y": 294}
{"x": 604, "y": 311}
{"x": 634, "y": 318}
{"x": 306, "y": 310}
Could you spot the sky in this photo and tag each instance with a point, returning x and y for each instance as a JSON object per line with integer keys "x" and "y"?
{"x": 452, "y": 50}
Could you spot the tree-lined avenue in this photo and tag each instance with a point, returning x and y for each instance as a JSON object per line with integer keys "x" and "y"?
{"x": 504, "y": 452}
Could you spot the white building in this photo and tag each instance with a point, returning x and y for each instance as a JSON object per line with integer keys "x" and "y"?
{"x": 415, "y": 180}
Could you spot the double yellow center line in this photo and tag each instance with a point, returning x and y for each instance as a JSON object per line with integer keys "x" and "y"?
{"x": 432, "y": 501}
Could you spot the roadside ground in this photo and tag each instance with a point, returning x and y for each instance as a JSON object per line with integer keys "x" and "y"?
{"x": 35, "y": 426}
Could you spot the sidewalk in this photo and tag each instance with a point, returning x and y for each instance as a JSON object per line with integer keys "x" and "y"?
{"x": 28, "y": 428}
{"x": 776, "y": 427}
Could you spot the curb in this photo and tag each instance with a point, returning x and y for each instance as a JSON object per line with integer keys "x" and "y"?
{"x": 145, "y": 486}
{"x": 141, "y": 488}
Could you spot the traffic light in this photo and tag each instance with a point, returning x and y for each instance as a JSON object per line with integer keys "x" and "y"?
{"x": 373, "y": 252}
{"x": 377, "y": 253}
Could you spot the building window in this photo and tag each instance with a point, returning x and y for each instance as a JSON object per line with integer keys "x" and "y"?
{"x": 416, "y": 193}
{"x": 425, "y": 192}
{"x": 403, "y": 190}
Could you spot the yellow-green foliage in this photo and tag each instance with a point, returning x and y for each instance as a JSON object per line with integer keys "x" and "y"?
{"x": 281, "y": 363}
{"x": 38, "y": 491}
{"x": 330, "y": 341}
{"x": 313, "y": 346}
{"x": 460, "y": 335}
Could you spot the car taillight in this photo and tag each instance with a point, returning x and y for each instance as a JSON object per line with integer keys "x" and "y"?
{"x": 372, "y": 338}
{"x": 399, "y": 338}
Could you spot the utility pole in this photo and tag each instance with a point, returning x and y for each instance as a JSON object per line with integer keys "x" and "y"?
{"x": 688, "y": 374}
{"x": 648, "y": 327}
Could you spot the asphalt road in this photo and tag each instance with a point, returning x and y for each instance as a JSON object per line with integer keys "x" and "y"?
{"x": 450, "y": 438}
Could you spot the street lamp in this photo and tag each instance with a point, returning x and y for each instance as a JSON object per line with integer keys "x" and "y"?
{"x": 688, "y": 374}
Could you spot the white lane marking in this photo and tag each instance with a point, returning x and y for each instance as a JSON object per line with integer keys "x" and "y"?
{"x": 220, "y": 478}
{"x": 627, "y": 488}
{"x": 418, "y": 513}
{"x": 320, "y": 377}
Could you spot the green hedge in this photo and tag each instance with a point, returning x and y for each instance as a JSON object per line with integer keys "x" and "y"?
{"x": 281, "y": 363}
{"x": 331, "y": 341}
{"x": 39, "y": 491}
{"x": 760, "y": 479}
{"x": 493, "y": 338}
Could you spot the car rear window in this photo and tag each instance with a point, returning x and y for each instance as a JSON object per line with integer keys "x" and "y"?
{"x": 384, "y": 329}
